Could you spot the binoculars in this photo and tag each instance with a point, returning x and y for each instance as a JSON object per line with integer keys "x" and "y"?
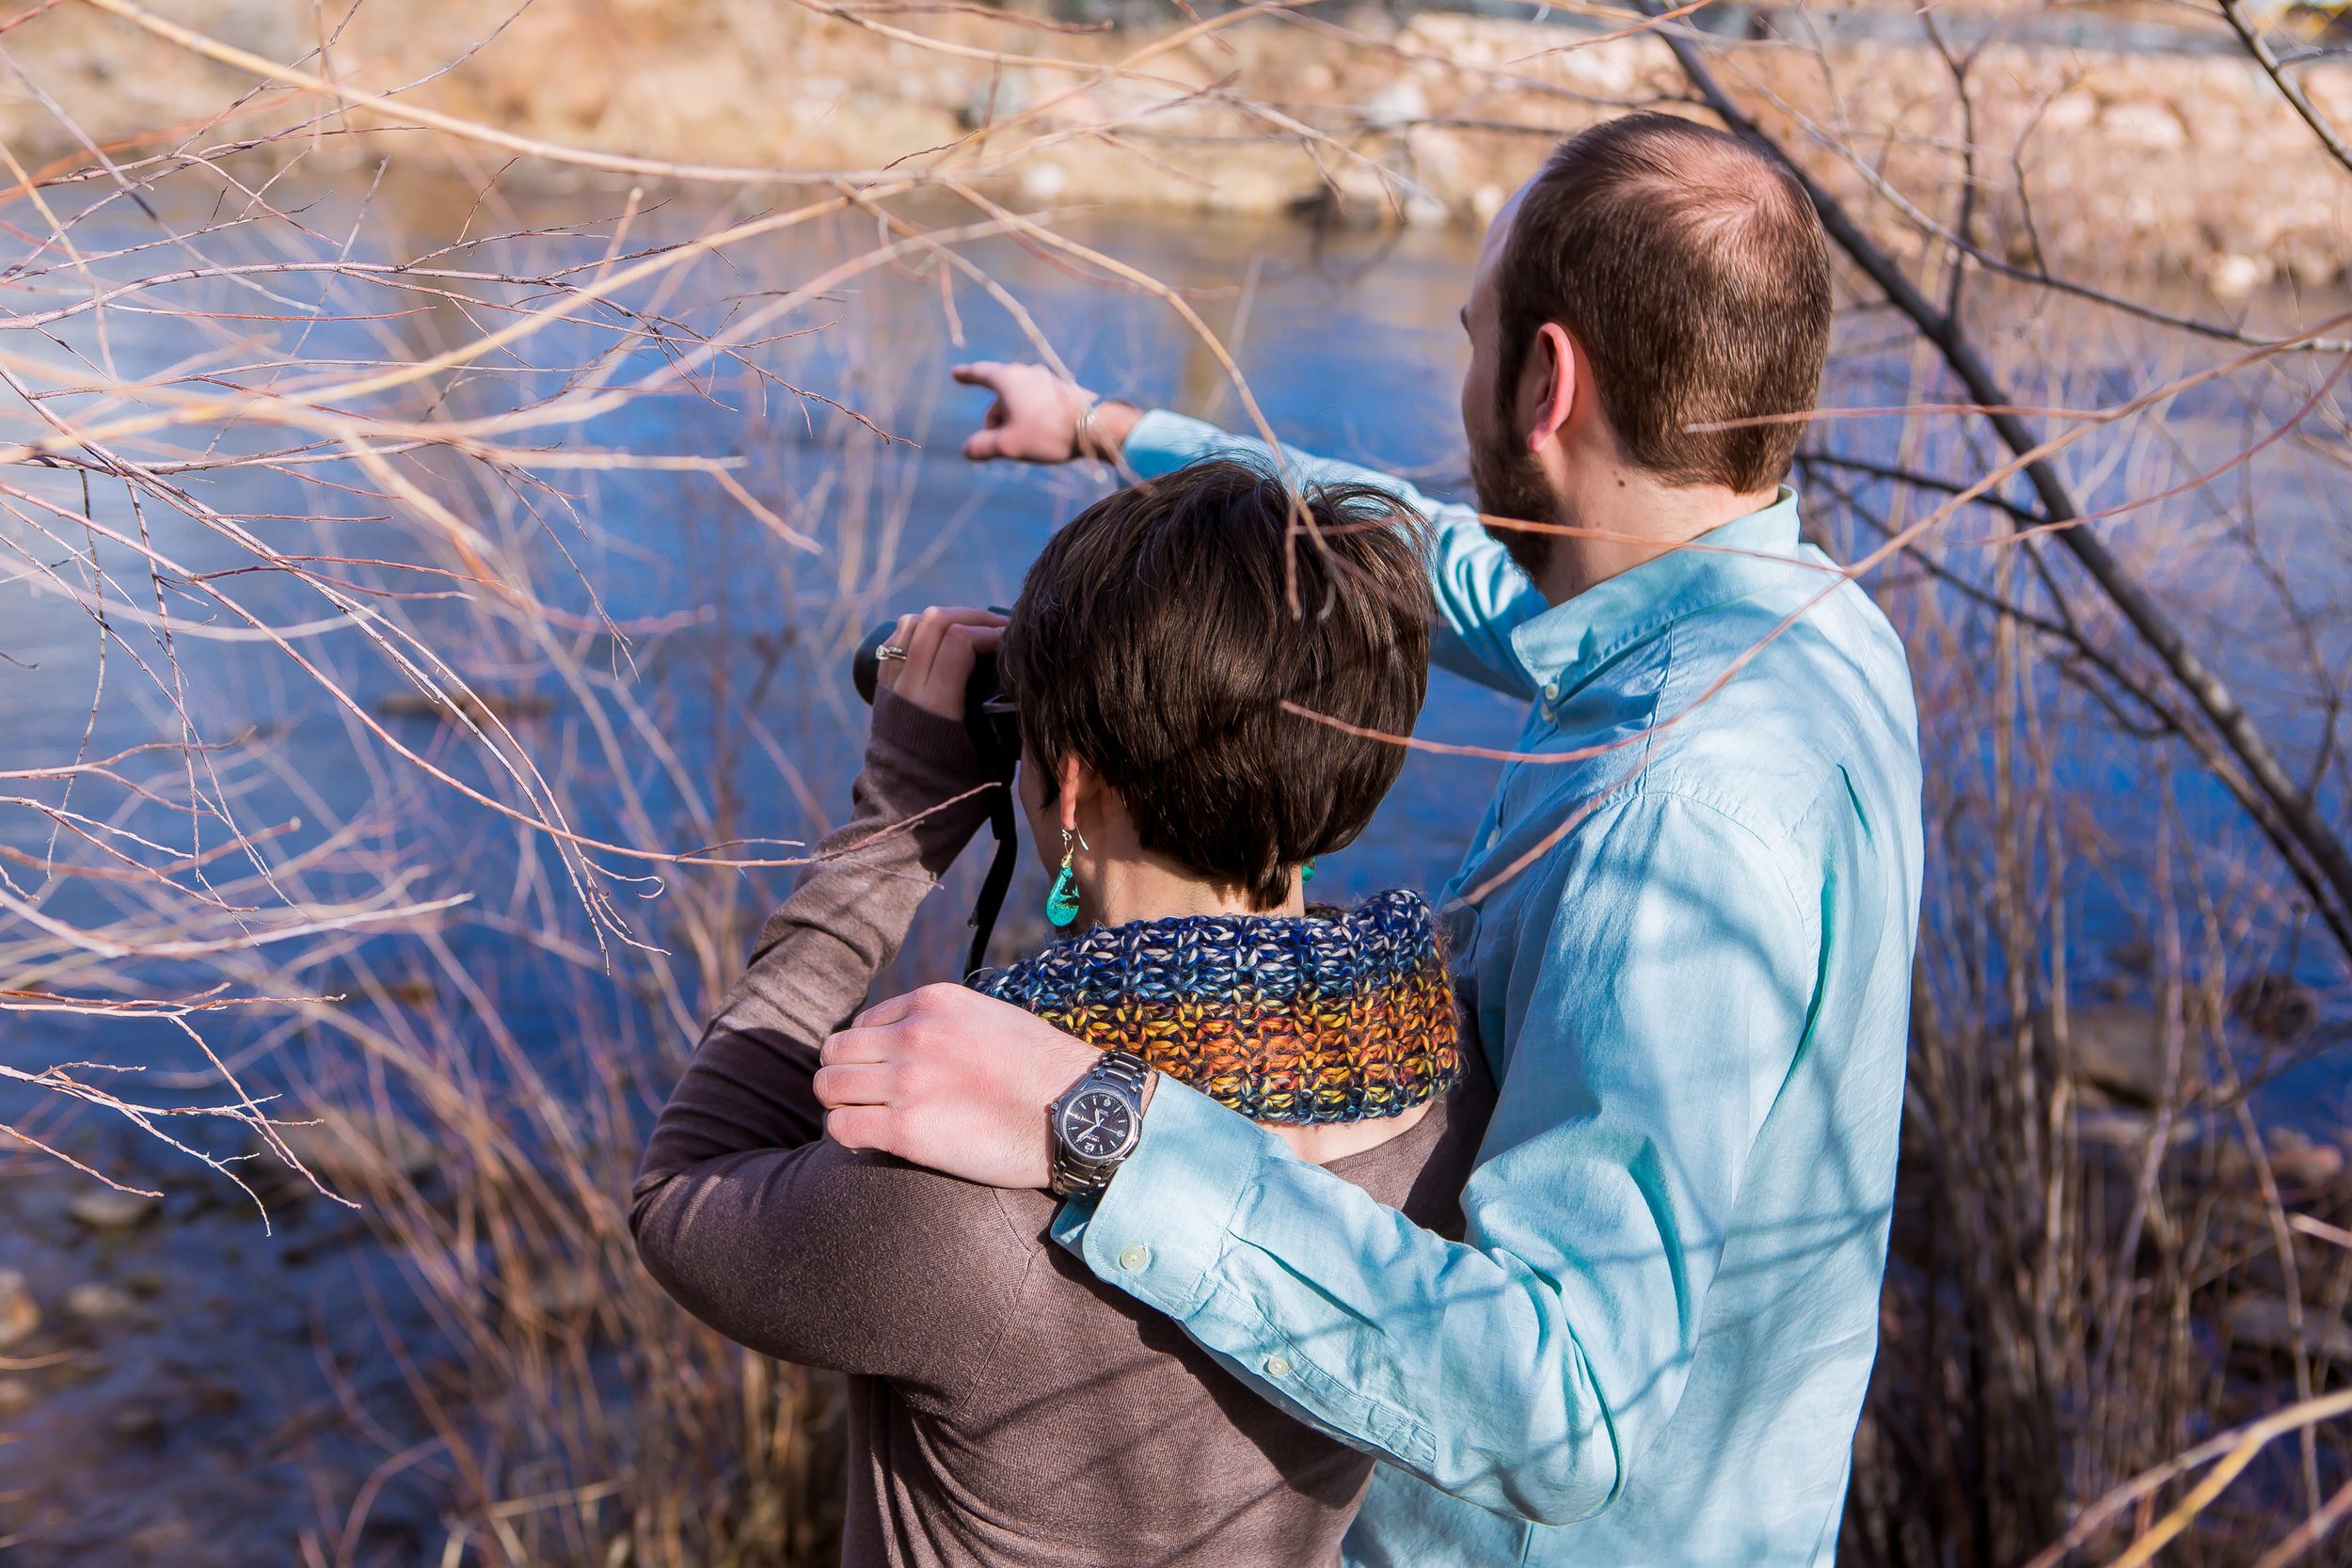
{"x": 988, "y": 718}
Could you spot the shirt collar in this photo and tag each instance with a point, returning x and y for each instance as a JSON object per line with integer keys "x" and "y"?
{"x": 1565, "y": 643}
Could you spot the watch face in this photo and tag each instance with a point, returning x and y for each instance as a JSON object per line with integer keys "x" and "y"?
{"x": 1097, "y": 1124}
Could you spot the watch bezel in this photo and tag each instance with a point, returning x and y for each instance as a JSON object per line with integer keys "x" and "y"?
{"x": 1072, "y": 1170}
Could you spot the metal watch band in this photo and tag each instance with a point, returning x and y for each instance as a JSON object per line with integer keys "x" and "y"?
{"x": 1072, "y": 1173}
{"x": 1123, "y": 1068}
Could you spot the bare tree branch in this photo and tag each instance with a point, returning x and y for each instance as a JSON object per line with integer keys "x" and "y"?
{"x": 2311, "y": 832}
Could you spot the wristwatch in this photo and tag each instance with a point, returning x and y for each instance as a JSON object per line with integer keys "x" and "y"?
{"x": 1097, "y": 1124}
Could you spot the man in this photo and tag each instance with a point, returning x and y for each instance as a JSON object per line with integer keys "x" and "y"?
{"x": 1683, "y": 935}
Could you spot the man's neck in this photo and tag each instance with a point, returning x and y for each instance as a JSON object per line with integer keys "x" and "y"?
{"x": 1627, "y": 517}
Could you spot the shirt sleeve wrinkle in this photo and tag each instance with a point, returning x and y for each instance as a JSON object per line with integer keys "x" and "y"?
{"x": 1388, "y": 1333}
{"x": 1637, "y": 1095}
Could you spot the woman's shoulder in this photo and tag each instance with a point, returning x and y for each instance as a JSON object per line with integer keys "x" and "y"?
{"x": 909, "y": 1206}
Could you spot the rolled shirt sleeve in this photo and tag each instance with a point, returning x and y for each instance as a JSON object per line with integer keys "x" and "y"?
{"x": 1482, "y": 593}
{"x": 1526, "y": 1368}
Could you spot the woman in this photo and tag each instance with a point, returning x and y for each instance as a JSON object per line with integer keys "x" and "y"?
{"x": 1007, "y": 1408}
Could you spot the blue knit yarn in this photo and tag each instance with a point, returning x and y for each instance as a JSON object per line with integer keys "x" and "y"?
{"x": 1285, "y": 1019}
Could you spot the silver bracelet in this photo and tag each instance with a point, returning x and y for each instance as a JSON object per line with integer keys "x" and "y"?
{"x": 1083, "y": 443}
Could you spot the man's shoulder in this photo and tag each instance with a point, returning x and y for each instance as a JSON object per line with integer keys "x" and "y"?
{"x": 1768, "y": 716}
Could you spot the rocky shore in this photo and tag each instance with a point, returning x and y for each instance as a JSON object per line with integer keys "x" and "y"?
{"x": 2182, "y": 166}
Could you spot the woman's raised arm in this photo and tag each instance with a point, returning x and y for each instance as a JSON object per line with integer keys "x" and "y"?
{"x": 741, "y": 1209}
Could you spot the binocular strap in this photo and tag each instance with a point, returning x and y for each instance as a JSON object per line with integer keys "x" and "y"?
{"x": 992, "y": 900}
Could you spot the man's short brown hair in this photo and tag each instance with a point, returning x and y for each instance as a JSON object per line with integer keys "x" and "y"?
{"x": 1693, "y": 271}
{"x": 1154, "y": 640}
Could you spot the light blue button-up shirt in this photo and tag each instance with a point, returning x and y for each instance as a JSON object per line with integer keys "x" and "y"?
{"x": 1653, "y": 1344}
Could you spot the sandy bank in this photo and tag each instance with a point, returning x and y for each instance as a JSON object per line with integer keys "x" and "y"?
{"x": 2104, "y": 163}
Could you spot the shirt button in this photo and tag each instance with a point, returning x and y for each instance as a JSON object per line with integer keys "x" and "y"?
{"x": 1278, "y": 1366}
{"x": 1551, "y": 689}
{"x": 1135, "y": 1257}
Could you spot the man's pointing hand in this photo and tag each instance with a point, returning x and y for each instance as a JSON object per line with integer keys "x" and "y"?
{"x": 1036, "y": 416}
{"x": 950, "y": 1079}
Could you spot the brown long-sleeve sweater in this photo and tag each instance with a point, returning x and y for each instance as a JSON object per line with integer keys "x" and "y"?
{"x": 1007, "y": 1408}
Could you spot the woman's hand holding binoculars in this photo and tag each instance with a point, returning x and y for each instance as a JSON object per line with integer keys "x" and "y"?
{"x": 928, "y": 659}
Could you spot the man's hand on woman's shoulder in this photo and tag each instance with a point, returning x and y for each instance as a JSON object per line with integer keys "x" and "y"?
{"x": 1041, "y": 418}
{"x": 948, "y": 1078}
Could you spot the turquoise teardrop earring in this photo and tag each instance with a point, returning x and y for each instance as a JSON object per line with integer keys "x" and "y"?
{"x": 1307, "y": 872}
{"x": 1061, "y": 905}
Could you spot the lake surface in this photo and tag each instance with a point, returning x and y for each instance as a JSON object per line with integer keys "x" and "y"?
{"x": 725, "y": 714}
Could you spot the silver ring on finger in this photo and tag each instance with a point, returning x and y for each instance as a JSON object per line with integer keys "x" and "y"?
{"x": 890, "y": 651}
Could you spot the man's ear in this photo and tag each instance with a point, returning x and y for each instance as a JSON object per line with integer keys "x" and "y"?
{"x": 1552, "y": 363}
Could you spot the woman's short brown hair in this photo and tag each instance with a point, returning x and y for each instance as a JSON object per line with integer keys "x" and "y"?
{"x": 1154, "y": 640}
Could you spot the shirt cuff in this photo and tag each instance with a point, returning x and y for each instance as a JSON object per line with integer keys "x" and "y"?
{"x": 1163, "y": 441}
{"x": 1160, "y": 1229}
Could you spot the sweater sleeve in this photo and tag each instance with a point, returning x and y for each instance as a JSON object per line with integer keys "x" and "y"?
{"x": 748, "y": 1084}
{"x": 742, "y": 1209}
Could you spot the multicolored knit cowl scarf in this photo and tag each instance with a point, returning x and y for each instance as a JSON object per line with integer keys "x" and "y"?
{"x": 1336, "y": 1016}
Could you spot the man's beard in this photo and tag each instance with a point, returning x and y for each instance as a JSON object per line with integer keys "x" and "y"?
{"x": 1511, "y": 483}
